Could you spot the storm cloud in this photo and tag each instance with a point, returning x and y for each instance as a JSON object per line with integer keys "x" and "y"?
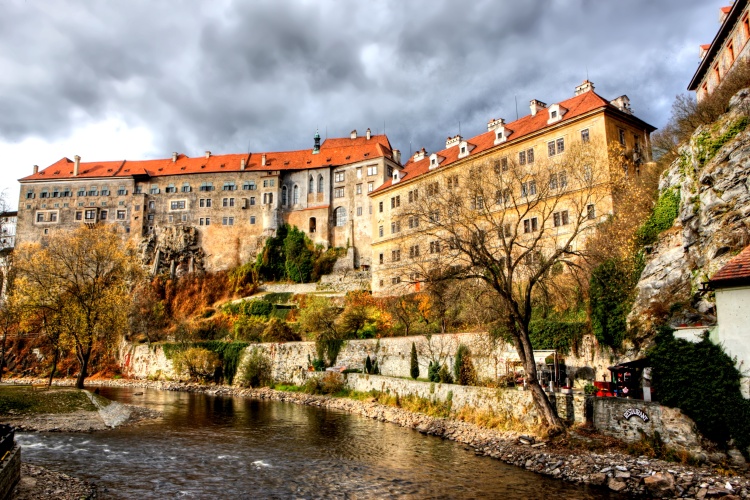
{"x": 233, "y": 76}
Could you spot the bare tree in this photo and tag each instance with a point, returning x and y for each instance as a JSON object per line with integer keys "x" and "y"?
{"x": 514, "y": 228}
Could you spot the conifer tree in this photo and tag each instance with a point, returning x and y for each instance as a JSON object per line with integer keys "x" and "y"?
{"x": 414, "y": 362}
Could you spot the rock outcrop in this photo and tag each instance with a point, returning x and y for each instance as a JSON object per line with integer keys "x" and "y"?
{"x": 712, "y": 176}
{"x": 174, "y": 250}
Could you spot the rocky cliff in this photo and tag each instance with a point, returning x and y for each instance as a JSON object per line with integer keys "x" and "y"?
{"x": 712, "y": 177}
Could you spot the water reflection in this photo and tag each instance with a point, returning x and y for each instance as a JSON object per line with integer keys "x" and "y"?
{"x": 218, "y": 447}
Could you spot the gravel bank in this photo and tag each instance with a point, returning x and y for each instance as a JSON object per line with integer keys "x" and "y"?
{"x": 37, "y": 482}
{"x": 641, "y": 476}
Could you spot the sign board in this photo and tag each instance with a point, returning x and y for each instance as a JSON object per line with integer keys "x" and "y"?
{"x": 635, "y": 412}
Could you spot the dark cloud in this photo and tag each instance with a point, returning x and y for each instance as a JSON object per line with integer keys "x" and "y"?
{"x": 264, "y": 75}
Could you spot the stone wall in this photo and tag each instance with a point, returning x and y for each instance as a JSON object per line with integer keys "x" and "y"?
{"x": 10, "y": 473}
{"x": 612, "y": 416}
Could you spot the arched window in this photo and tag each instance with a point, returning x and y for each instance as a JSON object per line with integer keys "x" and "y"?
{"x": 320, "y": 183}
{"x": 283, "y": 196}
{"x": 295, "y": 194}
{"x": 339, "y": 216}
{"x": 311, "y": 189}
{"x": 313, "y": 225}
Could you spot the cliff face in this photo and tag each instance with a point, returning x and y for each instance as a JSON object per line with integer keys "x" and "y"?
{"x": 712, "y": 176}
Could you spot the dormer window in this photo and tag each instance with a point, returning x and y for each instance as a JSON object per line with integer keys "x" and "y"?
{"x": 464, "y": 149}
{"x": 435, "y": 160}
{"x": 556, "y": 113}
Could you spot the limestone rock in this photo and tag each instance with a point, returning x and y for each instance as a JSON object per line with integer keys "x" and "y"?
{"x": 660, "y": 485}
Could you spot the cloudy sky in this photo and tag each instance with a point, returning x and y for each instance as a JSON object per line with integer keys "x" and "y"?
{"x": 138, "y": 79}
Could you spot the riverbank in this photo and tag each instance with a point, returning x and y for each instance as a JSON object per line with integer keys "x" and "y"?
{"x": 38, "y": 482}
{"x": 614, "y": 470}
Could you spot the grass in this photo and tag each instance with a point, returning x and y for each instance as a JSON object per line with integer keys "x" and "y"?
{"x": 21, "y": 400}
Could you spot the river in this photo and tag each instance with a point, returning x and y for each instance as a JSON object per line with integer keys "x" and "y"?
{"x": 225, "y": 447}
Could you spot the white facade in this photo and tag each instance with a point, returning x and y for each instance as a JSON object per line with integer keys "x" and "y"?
{"x": 733, "y": 330}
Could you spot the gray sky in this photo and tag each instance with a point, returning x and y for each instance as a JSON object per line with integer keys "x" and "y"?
{"x": 139, "y": 79}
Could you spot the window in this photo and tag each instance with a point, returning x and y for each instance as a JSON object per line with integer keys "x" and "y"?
{"x": 560, "y": 218}
{"x": 558, "y": 180}
{"x": 152, "y": 205}
{"x": 29, "y": 195}
{"x": 434, "y": 217}
{"x": 556, "y": 147}
{"x": 395, "y": 227}
{"x": 359, "y": 211}
{"x": 227, "y": 202}
{"x": 522, "y": 158}
{"x": 528, "y": 188}
{"x": 171, "y": 218}
{"x": 150, "y": 217}
{"x": 170, "y": 189}
{"x": 380, "y": 231}
{"x": 413, "y": 222}
{"x": 530, "y": 225}
{"x": 94, "y": 191}
{"x": 284, "y": 197}
{"x": 395, "y": 201}
{"x": 90, "y": 215}
{"x": 585, "y": 135}
{"x": 320, "y": 183}
{"x": 208, "y": 221}
{"x": 204, "y": 203}
{"x": 53, "y": 216}
{"x": 433, "y": 189}
{"x": 227, "y": 221}
{"x": 370, "y": 187}
{"x": 359, "y": 172}
{"x": 103, "y": 215}
{"x": 413, "y": 251}
{"x": 413, "y": 195}
{"x": 560, "y": 145}
{"x": 338, "y": 176}
{"x": 339, "y": 215}
{"x": 590, "y": 212}
{"x": 56, "y": 193}
{"x": 505, "y": 231}
{"x": 380, "y": 207}
{"x": 201, "y": 221}
{"x": 381, "y": 259}
{"x": 67, "y": 193}
{"x": 44, "y": 194}
{"x": 79, "y": 215}
{"x": 121, "y": 191}
{"x": 154, "y": 189}
{"x": 500, "y": 165}
{"x": 186, "y": 187}
{"x": 40, "y": 217}
{"x": 372, "y": 170}
{"x": 295, "y": 194}
{"x": 207, "y": 186}
{"x": 138, "y": 190}
{"x": 434, "y": 247}
{"x": 312, "y": 225}
{"x": 249, "y": 186}
{"x": 252, "y": 200}
{"x": 395, "y": 280}
{"x": 121, "y": 215}
{"x": 359, "y": 188}
{"x": 621, "y": 134}
{"x": 311, "y": 185}
{"x": 477, "y": 202}
{"x": 452, "y": 182}
{"x": 82, "y": 192}
{"x": 229, "y": 186}
{"x": 502, "y": 197}
{"x": 396, "y": 255}
{"x": 338, "y": 192}
{"x": 530, "y": 156}
{"x": 252, "y": 219}
{"x": 177, "y": 205}
{"x": 532, "y": 258}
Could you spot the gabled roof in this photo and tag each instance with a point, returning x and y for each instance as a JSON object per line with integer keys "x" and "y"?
{"x": 735, "y": 273}
{"x": 333, "y": 152}
{"x": 731, "y": 15}
{"x": 527, "y": 125}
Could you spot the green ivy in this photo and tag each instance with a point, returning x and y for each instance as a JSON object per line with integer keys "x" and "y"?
{"x": 611, "y": 291}
{"x": 703, "y": 381}
{"x": 708, "y": 147}
{"x": 555, "y": 334}
{"x": 661, "y": 219}
{"x": 229, "y": 353}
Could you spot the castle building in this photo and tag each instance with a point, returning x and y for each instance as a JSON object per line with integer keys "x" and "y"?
{"x": 728, "y": 46}
{"x": 218, "y": 208}
{"x": 531, "y": 157}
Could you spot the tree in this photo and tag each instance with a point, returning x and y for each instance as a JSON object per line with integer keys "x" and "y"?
{"x": 79, "y": 285}
{"x": 513, "y": 228}
{"x": 414, "y": 372}
{"x": 318, "y": 321}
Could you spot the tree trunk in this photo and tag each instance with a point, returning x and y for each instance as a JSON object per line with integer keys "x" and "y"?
{"x": 83, "y": 359}
{"x": 55, "y": 359}
{"x": 2, "y": 356}
{"x": 548, "y": 412}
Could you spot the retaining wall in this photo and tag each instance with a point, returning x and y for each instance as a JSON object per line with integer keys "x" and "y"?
{"x": 10, "y": 473}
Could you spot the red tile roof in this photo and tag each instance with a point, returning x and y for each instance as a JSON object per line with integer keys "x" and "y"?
{"x": 333, "y": 152}
{"x": 735, "y": 273}
{"x": 529, "y": 124}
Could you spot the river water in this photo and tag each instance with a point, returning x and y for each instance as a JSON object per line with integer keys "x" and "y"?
{"x": 224, "y": 447}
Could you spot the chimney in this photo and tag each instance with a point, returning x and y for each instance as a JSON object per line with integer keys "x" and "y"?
{"x": 76, "y": 165}
{"x": 208, "y": 154}
{"x": 623, "y": 104}
{"x": 316, "y": 147}
{"x": 419, "y": 155}
{"x": 397, "y": 156}
{"x": 536, "y": 105}
{"x": 174, "y": 157}
{"x": 586, "y": 86}
{"x": 242, "y": 164}
{"x": 263, "y": 159}
{"x": 36, "y": 169}
{"x": 368, "y": 134}
{"x": 452, "y": 141}
{"x": 353, "y": 134}
{"x": 495, "y": 123}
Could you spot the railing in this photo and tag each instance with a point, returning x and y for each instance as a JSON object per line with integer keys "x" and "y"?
{"x": 7, "y": 440}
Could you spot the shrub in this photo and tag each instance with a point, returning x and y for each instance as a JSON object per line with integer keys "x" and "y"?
{"x": 249, "y": 328}
{"x": 368, "y": 364}
{"x": 330, "y": 383}
{"x": 279, "y": 331}
{"x": 666, "y": 210}
{"x": 414, "y": 372}
{"x": 554, "y": 334}
{"x": 199, "y": 363}
{"x": 611, "y": 290}
{"x": 257, "y": 369}
{"x": 703, "y": 381}
{"x": 445, "y": 376}
{"x": 433, "y": 372}
{"x": 463, "y": 367}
